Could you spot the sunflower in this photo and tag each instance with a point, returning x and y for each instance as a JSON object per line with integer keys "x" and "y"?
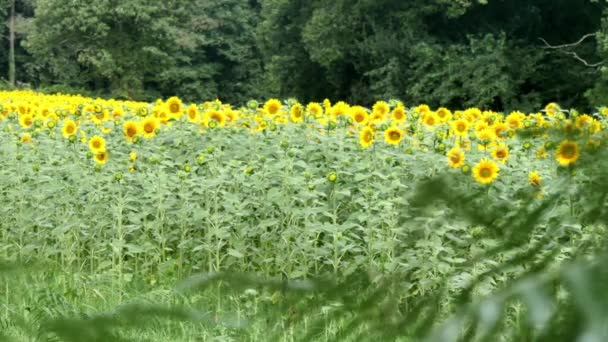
{"x": 174, "y": 105}
{"x": 399, "y": 114}
{"x": 501, "y": 152}
{"x": 192, "y": 112}
{"x": 455, "y": 158}
{"x": 381, "y": 107}
{"x": 231, "y": 115}
{"x": 315, "y": 109}
{"x": 26, "y": 138}
{"x": 583, "y": 121}
{"x": 272, "y": 106}
{"x": 485, "y": 172}
{"x": 97, "y": 144}
{"x": 366, "y": 137}
{"x": 377, "y": 117}
{"x": 296, "y": 113}
{"x": 101, "y": 116}
{"x": 500, "y": 130}
{"x": 149, "y": 126}
{"x": 118, "y": 112}
{"x": 567, "y": 153}
{"x": 26, "y": 120}
{"x": 430, "y": 119}
{"x": 460, "y": 127}
{"x": 101, "y": 157}
{"x": 130, "y": 129}
{"x": 359, "y": 115}
{"x": 69, "y": 128}
{"x": 340, "y": 108}
{"x": 515, "y": 120}
{"x": 534, "y": 178}
{"x": 217, "y": 116}
{"x": 133, "y": 156}
{"x": 444, "y": 114}
{"x": 393, "y": 136}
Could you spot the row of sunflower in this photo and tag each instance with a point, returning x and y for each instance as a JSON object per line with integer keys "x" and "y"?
{"x": 487, "y": 137}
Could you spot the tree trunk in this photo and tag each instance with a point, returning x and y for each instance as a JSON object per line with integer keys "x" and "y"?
{"x": 11, "y": 51}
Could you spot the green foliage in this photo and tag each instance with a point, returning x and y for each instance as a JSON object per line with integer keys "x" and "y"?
{"x": 395, "y": 247}
{"x": 138, "y": 49}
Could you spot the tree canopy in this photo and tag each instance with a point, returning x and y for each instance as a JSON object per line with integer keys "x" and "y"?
{"x": 490, "y": 53}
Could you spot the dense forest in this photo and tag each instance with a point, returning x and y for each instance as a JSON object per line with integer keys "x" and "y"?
{"x": 490, "y": 53}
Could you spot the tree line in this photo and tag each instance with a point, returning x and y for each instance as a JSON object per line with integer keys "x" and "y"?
{"x": 490, "y": 53}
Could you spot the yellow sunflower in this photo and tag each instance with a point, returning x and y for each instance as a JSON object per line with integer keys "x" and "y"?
{"x": 430, "y": 119}
{"x": 101, "y": 157}
{"x": 193, "y": 115}
{"x": 359, "y": 115}
{"x": 272, "y": 106}
{"x": 97, "y": 144}
{"x": 314, "y": 109}
{"x": 501, "y": 152}
{"x": 366, "y": 137}
{"x": 149, "y": 126}
{"x": 26, "y": 120}
{"x": 567, "y": 153}
{"x": 485, "y": 172}
{"x": 460, "y": 127}
{"x": 444, "y": 114}
{"x": 393, "y": 136}
{"x": 455, "y": 158}
{"x": 217, "y": 116}
{"x": 381, "y": 108}
{"x": 69, "y": 128}
{"x": 26, "y": 138}
{"x": 174, "y": 106}
{"x": 130, "y": 129}
{"x": 399, "y": 114}
{"x": 534, "y": 178}
{"x": 296, "y": 113}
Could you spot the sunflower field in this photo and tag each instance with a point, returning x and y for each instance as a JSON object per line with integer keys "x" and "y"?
{"x": 285, "y": 221}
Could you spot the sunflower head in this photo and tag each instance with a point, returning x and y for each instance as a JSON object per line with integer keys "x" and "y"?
{"x": 69, "y": 128}
{"x": 101, "y": 157}
{"x": 501, "y": 152}
{"x": 534, "y": 178}
{"x": 149, "y": 126}
{"x": 393, "y": 136}
{"x": 359, "y": 115}
{"x": 455, "y": 158}
{"x": 366, "y": 137}
{"x": 460, "y": 127}
{"x": 567, "y": 153}
{"x": 174, "y": 105}
{"x": 399, "y": 114}
{"x": 97, "y": 144}
{"x": 485, "y": 172}
{"x": 130, "y": 129}
{"x": 381, "y": 107}
{"x": 296, "y": 113}
{"x": 272, "y": 106}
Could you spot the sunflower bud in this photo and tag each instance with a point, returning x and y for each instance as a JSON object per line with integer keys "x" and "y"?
{"x": 200, "y": 159}
{"x": 253, "y": 104}
{"x": 332, "y": 177}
